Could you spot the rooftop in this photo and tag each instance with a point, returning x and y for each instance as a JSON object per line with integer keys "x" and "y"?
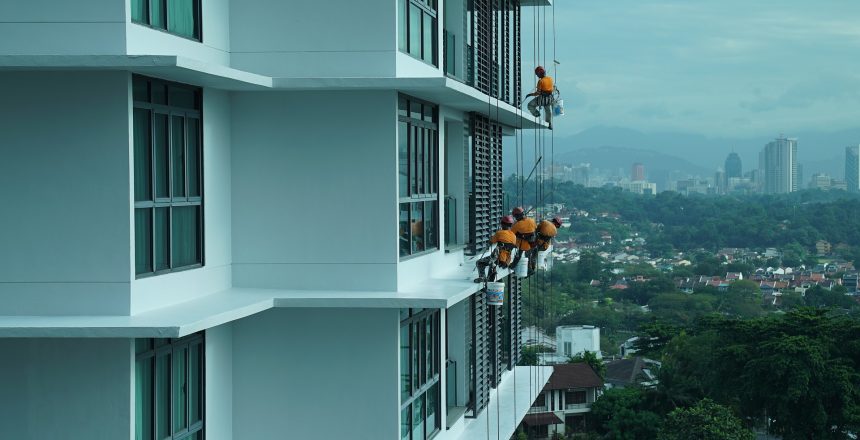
{"x": 579, "y": 375}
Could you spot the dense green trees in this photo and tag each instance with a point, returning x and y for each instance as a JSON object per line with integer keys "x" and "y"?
{"x": 705, "y": 420}
{"x": 623, "y": 414}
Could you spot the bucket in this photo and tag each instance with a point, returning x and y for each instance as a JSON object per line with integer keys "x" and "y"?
{"x": 541, "y": 259}
{"x": 522, "y": 268}
{"x": 495, "y": 294}
{"x": 558, "y": 108}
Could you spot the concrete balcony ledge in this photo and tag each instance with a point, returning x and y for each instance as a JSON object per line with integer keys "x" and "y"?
{"x": 236, "y": 303}
{"x": 441, "y": 89}
{"x": 508, "y": 405}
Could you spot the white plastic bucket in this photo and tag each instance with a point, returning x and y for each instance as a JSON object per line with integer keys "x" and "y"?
{"x": 522, "y": 268}
{"x": 541, "y": 259}
{"x": 558, "y": 108}
{"x": 495, "y": 294}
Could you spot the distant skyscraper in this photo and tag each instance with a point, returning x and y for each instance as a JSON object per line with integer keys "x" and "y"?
{"x": 852, "y": 168}
{"x": 638, "y": 172}
{"x": 780, "y": 166}
{"x": 733, "y": 168}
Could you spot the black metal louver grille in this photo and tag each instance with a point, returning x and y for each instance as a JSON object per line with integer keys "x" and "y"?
{"x": 496, "y": 43}
{"x": 481, "y": 362}
{"x": 496, "y": 357}
{"x": 487, "y": 191}
{"x": 514, "y": 303}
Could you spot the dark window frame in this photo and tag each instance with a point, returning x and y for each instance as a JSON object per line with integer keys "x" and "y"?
{"x": 159, "y": 348}
{"x": 154, "y": 203}
{"x": 424, "y": 378}
{"x": 422, "y": 174}
{"x": 426, "y": 8}
{"x": 198, "y": 19}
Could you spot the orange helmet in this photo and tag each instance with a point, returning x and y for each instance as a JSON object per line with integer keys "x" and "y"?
{"x": 507, "y": 220}
{"x": 539, "y": 71}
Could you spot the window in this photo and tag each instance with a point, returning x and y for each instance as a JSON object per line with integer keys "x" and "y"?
{"x": 180, "y": 17}
{"x": 168, "y": 183}
{"x": 420, "y": 365}
{"x": 567, "y": 348}
{"x": 418, "y": 29}
{"x": 168, "y": 388}
{"x": 418, "y": 156}
{"x": 574, "y": 397}
{"x": 540, "y": 401}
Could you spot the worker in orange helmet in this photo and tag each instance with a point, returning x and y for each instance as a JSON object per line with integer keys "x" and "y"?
{"x": 543, "y": 96}
{"x": 546, "y": 231}
{"x": 524, "y": 228}
{"x": 502, "y": 254}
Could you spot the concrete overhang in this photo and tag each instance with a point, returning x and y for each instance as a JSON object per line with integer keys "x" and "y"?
{"x": 535, "y": 2}
{"x": 169, "y": 67}
{"x": 236, "y": 303}
{"x": 440, "y": 90}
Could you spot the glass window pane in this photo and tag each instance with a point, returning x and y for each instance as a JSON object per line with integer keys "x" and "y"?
{"x": 177, "y": 148}
{"x": 195, "y": 382}
{"x": 429, "y": 111}
{"x": 403, "y": 158}
{"x": 401, "y": 23}
{"x": 142, "y": 240}
{"x": 425, "y": 150}
{"x": 142, "y": 156}
{"x": 162, "y": 396}
{"x": 432, "y": 408}
{"x": 415, "y": 31}
{"x": 158, "y": 14}
{"x": 428, "y": 350}
{"x": 405, "y": 238}
{"x": 416, "y": 356}
{"x": 417, "y": 227}
{"x": 193, "y": 160}
{"x": 140, "y": 89}
{"x": 180, "y": 389}
{"x": 162, "y": 238}
{"x": 418, "y": 150}
{"x": 183, "y": 97}
{"x": 429, "y": 32}
{"x": 139, "y": 12}
{"x": 418, "y": 419}
{"x": 182, "y": 17}
{"x": 143, "y": 399}
{"x": 415, "y": 110}
{"x": 430, "y": 228}
{"x": 159, "y": 92}
{"x": 142, "y": 345}
{"x": 184, "y": 244}
{"x": 405, "y": 382}
{"x": 161, "y": 148}
{"x": 405, "y": 422}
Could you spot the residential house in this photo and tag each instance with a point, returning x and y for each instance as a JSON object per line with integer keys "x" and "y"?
{"x": 563, "y": 402}
{"x": 632, "y": 371}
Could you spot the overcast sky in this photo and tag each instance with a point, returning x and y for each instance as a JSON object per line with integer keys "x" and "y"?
{"x": 714, "y": 67}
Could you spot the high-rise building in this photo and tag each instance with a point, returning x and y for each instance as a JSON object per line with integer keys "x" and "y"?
{"x": 733, "y": 166}
{"x": 720, "y": 181}
{"x": 780, "y": 166}
{"x": 257, "y": 219}
{"x": 637, "y": 172}
{"x": 852, "y": 168}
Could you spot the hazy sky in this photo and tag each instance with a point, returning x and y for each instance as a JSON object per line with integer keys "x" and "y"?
{"x": 714, "y": 67}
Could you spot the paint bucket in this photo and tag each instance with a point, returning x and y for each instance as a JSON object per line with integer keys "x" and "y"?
{"x": 541, "y": 259}
{"x": 495, "y": 294}
{"x": 522, "y": 268}
{"x": 558, "y": 108}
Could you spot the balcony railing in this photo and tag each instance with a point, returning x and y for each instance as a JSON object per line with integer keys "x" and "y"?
{"x": 570, "y": 406}
{"x": 454, "y": 239}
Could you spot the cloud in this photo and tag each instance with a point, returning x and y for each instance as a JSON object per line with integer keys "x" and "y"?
{"x": 839, "y": 88}
{"x": 652, "y": 111}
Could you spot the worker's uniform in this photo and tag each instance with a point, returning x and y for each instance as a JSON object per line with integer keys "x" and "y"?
{"x": 502, "y": 256}
{"x": 545, "y": 88}
{"x": 546, "y": 231}
{"x": 525, "y": 231}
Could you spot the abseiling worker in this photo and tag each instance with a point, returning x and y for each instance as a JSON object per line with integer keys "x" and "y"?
{"x": 546, "y": 231}
{"x": 524, "y": 228}
{"x": 502, "y": 255}
{"x": 543, "y": 96}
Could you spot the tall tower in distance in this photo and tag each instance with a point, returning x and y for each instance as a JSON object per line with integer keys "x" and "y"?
{"x": 733, "y": 167}
{"x": 852, "y": 168}
{"x": 637, "y": 173}
{"x": 780, "y": 166}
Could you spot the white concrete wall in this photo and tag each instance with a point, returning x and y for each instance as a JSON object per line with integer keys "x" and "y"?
{"x": 215, "y": 28}
{"x": 50, "y": 27}
{"x": 164, "y": 290}
{"x": 219, "y": 383}
{"x": 580, "y": 338}
{"x": 66, "y": 389}
{"x": 304, "y": 164}
{"x": 457, "y": 350}
{"x": 313, "y": 39}
{"x": 316, "y": 373}
{"x": 66, "y": 227}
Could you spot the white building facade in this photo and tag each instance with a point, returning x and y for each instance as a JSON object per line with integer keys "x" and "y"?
{"x": 227, "y": 213}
